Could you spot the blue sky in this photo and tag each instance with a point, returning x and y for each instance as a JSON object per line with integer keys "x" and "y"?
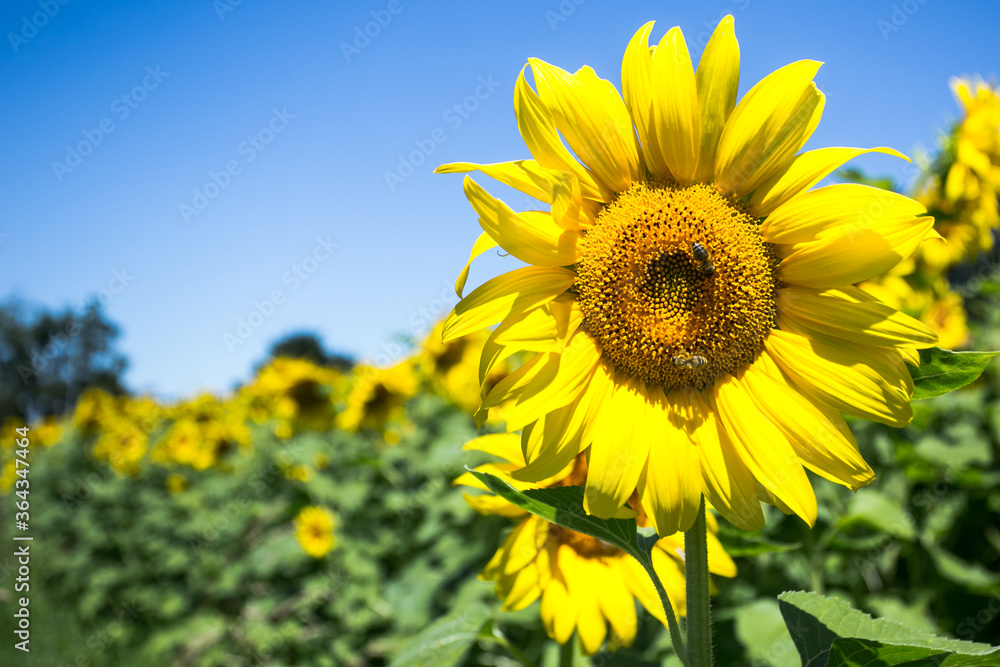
{"x": 199, "y": 164}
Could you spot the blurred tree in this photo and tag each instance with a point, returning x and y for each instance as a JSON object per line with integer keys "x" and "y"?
{"x": 48, "y": 359}
{"x": 308, "y": 346}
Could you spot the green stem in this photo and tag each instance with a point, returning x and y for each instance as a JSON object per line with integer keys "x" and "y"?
{"x": 699, "y": 612}
{"x": 566, "y": 653}
{"x": 668, "y": 609}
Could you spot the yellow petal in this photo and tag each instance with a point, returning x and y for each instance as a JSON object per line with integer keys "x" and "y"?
{"x": 524, "y": 175}
{"x": 670, "y": 484}
{"x": 493, "y": 505}
{"x": 533, "y": 236}
{"x": 504, "y": 445}
{"x": 482, "y": 244}
{"x": 615, "y": 602}
{"x": 619, "y": 449}
{"x": 558, "y": 611}
{"x": 719, "y": 562}
{"x": 590, "y": 624}
{"x": 538, "y": 129}
{"x": 561, "y": 380}
{"x": 718, "y": 78}
{"x": 851, "y": 314}
{"x": 845, "y": 259}
{"x": 637, "y": 89}
{"x": 803, "y": 172}
{"x": 564, "y": 433}
{"x": 590, "y": 114}
{"x": 513, "y": 384}
{"x": 675, "y": 108}
{"x": 819, "y": 443}
{"x": 729, "y": 486}
{"x": 835, "y": 374}
{"x": 545, "y": 329}
{"x": 516, "y": 291}
{"x": 764, "y": 449}
{"x": 768, "y": 126}
{"x": 844, "y": 208}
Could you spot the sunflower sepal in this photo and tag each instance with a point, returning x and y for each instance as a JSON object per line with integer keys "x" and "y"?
{"x": 942, "y": 371}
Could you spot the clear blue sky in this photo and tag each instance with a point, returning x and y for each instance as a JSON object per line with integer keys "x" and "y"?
{"x": 160, "y": 96}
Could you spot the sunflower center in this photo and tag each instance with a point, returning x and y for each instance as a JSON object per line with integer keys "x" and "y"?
{"x": 676, "y": 284}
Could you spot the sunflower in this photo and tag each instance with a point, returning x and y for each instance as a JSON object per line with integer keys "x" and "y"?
{"x": 297, "y": 394}
{"x": 314, "y": 531}
{"x": 965, "y": 179}
{"x": 452, "y": 368}
{"x": 377, "y": 400}
{"x": 689, "y": 301}
{"x": 583, "y": 583}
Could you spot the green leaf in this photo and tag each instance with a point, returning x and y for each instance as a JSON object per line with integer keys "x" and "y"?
{"x": 942, "y": 371}
{"x": 760, "y": 628}
{"x": 563, "y": 506}
{"x": 445, "y": 642}
{"x": 816, "y": 622}
{"x": 868, "y": 653}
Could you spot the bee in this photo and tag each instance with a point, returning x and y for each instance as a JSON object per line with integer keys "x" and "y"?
{"x": 692, "y": 362}
{"x": 701, "y": 255}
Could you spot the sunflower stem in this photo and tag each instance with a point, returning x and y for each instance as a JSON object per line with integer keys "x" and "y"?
{"x": 675, "y": 629}
{"x": 699, "y": 613}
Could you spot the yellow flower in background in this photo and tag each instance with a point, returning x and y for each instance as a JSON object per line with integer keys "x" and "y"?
{"x": 46, "y": 432}
{"x": 176, "y": 483}
{"x": 377, "y": 399}
{"x": 583, "y": 584}
{"x": 122, "y": 443}
{"x": 203, "y": 430}
{"x": 965, "y": 182}
{"x": 453, "y": 367}
{"x": 297, "y": 394}
{"x": 314, "y": 531}
{"x": 689, "y": 300}
{"x": 94, "y": 406}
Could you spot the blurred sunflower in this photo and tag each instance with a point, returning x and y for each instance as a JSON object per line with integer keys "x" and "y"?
{"x": 689, "y": 300}
{"x": 297, "y": 394}
{"x": 584, "y": 584}
{"x": 453, "y": 368}
{"x": 122, "y": 443}
{"x": 203, "y": 430}
{"x": 314, "y": 531}
{"x": 377, "y": 399}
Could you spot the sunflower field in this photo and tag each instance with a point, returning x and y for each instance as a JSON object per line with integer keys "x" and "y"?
{"x": 718, "y": 415}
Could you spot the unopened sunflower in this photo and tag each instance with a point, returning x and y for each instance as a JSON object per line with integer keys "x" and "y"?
{"x": 584, "y": 584}
{"x": 689, "y": 301}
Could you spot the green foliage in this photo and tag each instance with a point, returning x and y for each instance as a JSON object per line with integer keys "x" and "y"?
{"x": 827, "y": 631}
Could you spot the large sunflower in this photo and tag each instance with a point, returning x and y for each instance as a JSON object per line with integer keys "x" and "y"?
{"x": 583, "y": 584}
{"x": 689, "y": 300}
